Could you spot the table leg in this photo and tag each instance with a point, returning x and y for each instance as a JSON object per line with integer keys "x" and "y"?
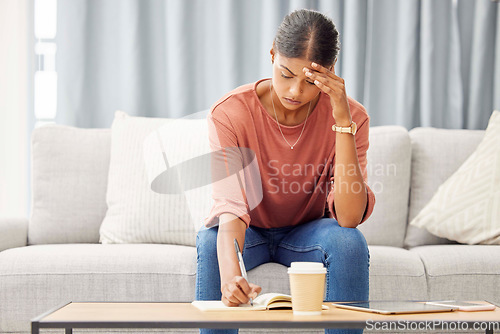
{"x": 69, "y": 331}
{"x": 34, "y": 328}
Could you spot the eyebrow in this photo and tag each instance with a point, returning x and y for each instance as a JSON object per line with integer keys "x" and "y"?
{"x": 286, "y": 68}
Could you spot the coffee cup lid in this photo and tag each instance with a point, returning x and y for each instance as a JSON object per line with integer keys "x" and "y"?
{"x": 307, "y": 268}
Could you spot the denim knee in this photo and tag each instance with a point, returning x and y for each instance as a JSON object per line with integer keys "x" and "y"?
{"x": 355, "y": 237}
{"x": 349, "y": 241}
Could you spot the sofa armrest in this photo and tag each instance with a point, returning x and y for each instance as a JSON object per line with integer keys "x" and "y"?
{"x": 13, "y": 232}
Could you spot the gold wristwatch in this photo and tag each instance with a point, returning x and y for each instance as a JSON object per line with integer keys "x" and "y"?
{"x": 346, "y": 129}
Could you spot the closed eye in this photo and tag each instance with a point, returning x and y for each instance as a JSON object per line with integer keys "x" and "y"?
{"x": 287, "y": 77}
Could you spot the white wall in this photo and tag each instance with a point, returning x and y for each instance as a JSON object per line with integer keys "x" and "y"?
{"x": 13, "y": 107}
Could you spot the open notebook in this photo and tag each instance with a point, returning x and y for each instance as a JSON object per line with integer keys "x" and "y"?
{"x": 266, "y": 301}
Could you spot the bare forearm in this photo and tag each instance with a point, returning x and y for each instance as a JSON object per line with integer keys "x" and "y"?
{"x": 230, "y": 227}
{"x": 349, "y": 188}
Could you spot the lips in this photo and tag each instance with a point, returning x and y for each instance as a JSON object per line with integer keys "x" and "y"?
{"x": 291, "y": 101}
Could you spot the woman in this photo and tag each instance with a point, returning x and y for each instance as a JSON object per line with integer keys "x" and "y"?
{"x": 294, "y": 186}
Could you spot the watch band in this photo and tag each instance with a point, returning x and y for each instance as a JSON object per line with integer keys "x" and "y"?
{"x": 352, "y": 129}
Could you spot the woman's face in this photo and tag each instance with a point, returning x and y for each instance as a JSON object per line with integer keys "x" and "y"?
{"x": 293, "y": 88}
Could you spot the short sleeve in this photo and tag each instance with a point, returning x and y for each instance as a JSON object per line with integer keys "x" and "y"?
{"x": 228, "y": 179}
{"x": 362, "y": 144}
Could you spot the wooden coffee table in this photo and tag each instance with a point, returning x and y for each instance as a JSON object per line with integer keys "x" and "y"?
{"x": 184, "y": 315}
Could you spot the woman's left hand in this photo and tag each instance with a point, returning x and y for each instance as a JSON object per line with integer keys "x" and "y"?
{"x": 334, "y": 86}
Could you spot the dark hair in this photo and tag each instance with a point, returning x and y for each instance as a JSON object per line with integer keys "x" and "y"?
{"x": 308, "y": 34}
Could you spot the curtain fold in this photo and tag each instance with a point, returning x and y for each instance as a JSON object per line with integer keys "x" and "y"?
{"x": 496, "y": 86}
{"x": 411, "y": 63}
{"x": 482, "y": 64}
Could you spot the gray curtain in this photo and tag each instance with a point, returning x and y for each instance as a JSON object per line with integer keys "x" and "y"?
{"x": 411, "y": 63}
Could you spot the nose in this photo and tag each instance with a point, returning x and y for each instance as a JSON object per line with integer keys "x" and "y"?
{"x": 296, "y": 89}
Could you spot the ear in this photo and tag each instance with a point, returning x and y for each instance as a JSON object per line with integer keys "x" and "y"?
{"x": 273, "y": 53}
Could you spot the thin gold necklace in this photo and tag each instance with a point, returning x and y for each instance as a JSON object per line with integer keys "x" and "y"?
{"x": 279, "y": 127}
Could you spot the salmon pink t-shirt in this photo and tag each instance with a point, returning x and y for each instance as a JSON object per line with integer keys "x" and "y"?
{"x": 255, "y": 174}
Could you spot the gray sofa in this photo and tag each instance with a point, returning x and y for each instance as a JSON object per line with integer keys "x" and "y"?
{"x": 405, "y": 169}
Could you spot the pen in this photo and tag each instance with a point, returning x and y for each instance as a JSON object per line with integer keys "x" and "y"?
{"x": 242, "y": 264}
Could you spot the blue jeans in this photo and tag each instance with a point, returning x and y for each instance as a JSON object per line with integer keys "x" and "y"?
{"x": 342, "y": 250}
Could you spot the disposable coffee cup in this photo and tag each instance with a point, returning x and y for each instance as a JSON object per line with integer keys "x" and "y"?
{"x": 307, "y": 285}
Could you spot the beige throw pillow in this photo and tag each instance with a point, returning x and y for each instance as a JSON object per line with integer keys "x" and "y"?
{"x": 466, "y": 207}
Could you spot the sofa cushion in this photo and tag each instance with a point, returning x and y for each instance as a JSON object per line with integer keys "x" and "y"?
{"x": 396, "y": 274}
{"x": 466, "y": 272}
{"x": 466, "y": 207}
{"x": 69, "y": 177}
{"x": 137, "y": 214}
{"x": 436, "y": 155}
{"x": 37, "y": 278}
{"x": 389, "y": 162}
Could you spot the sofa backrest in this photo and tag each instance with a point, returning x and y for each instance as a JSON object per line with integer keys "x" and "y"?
{"x": 69, "y": 180}
{"x": 436, "y": 155}
{"x": 70, "y": 175}
{"x": 70, "y": 172}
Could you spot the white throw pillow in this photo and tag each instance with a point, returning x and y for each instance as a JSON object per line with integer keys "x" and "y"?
{"x": 179, "y": 152}
{"x": 466, "y": 207}
{"x": 136, "y": 213}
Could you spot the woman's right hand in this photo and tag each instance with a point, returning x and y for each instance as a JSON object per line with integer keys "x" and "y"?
{"x": 238, "y": 291}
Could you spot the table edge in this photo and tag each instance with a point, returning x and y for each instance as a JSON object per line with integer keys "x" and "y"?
{"x": 209, "y": 324}
{"x": 43, "y": 315}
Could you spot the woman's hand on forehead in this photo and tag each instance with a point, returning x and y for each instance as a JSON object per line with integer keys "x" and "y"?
{"x": 334, "y": 86}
